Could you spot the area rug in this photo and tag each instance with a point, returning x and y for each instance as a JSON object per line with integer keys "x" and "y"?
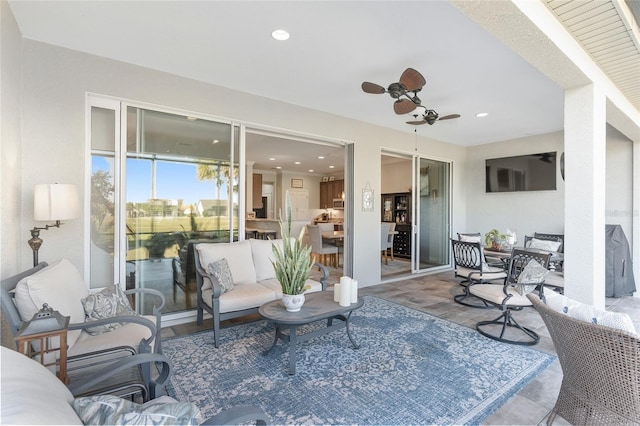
{"x": 411, "y": 368}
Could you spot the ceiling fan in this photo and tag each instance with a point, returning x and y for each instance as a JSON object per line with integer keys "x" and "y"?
{"x": 430, "y": 116}
{"x": 411, "y": 81}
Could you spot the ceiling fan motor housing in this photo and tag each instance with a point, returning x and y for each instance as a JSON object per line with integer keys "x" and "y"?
{"x": 396, "y": 90}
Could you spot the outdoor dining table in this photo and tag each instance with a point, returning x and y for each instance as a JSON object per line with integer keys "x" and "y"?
{"x": 504, "y": 256}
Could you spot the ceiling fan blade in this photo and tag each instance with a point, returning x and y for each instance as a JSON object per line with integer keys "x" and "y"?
{"x": 372, "y": 88}
{"x": 412, "y": 80}
{"x": 417, "y": 122}
{"x": 403, "y": 106}
{"x": 449, "y": 117}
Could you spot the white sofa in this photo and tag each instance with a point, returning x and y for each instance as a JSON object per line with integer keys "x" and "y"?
{"x": 254, "y": 280}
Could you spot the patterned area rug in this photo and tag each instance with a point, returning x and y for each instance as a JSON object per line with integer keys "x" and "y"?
{"x": 411, "y": 368}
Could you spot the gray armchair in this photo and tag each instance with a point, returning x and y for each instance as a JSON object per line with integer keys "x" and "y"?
{"x": 137, "y": 335}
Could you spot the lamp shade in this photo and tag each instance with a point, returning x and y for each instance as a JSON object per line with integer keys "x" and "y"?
{"x": 55, "y": 202}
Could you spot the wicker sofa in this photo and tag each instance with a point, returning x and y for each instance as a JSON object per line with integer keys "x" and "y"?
{"x": 253, "y": 276}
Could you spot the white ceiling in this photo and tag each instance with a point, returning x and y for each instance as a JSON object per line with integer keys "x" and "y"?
{"x": 334, "y": 47}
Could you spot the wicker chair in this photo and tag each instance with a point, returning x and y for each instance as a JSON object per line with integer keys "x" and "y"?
{"x": 601, "y": 370}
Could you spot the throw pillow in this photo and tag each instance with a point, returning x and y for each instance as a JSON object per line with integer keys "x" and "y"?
{"x": 588, "y": 313}
{"x": 544, "y": 244}
{"x": 112, "y": 410}
{"x": 108, "y": 303}
{"x": 221, "y": 272}
{"x": 532, "y": 275}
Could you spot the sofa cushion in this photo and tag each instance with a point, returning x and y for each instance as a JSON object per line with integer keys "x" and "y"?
{"x": 274, "y": 285}
{"x": 243, "y": 296}
{"x": 112, "y": 410}
{"x": 108, "y": 303}
{"x": 262, "y": 251}
{"x": 588, "y": 313}
{"x": 61, "y": 286}
{"x": 221, "y": 272}
{"x": 238, "y": 255}
{"x": 31, "y": 394}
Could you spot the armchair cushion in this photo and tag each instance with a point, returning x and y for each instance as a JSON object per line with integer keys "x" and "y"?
{"x": 61, "y": 286}
{"x": 221, "y": 272}
{"x": 108, "y": 303}
{"x": 112, "y": 410}
{"x": 130, "y": 334}
{"x": 588, "y": 313}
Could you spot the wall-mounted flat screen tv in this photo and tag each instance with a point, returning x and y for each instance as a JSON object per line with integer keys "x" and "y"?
{"x": 533, "y": 172}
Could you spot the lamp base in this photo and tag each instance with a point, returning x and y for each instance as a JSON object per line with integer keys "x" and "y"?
{"x": 35, "y": 242}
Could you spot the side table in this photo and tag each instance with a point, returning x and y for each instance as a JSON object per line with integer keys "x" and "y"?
{"x": 24, "y": 339}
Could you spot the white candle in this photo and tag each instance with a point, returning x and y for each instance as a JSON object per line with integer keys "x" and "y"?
{"x": 354, "y": 291}
{"x": 336, "y": 292}
{"x": 345, "y": 291}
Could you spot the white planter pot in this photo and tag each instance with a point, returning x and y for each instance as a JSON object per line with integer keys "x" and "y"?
{"x": 293, "y": 302}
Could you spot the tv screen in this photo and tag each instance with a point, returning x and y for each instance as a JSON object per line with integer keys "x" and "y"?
{"x": 533, "y": 172}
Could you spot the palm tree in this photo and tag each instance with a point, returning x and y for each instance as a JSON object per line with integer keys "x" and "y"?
{"x": 221, "y": 174}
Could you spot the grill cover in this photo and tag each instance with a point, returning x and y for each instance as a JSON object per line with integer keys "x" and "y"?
{"x": 619, "y": 268}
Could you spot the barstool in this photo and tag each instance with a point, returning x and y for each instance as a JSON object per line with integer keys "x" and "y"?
{"x": 250, "y": 233}
{"x": 265, "y": 234}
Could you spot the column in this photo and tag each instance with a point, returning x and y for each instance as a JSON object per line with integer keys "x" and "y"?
{"x": 585, "y": 159}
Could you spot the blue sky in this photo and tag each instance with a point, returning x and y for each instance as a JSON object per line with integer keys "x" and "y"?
{"x": 174, "y": 181}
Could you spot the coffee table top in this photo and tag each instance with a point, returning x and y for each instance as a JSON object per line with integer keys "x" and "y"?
{"x": 317, "y": 306}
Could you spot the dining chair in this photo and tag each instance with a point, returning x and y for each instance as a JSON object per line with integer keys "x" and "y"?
{"x": 390, "y": 235}
{"x": 471, "y": 265}
{"x": 527, "y": 271}
{"x": 550, "y": 241}
{"x": 321, "y": 248}
{"x": 384, "y": 238}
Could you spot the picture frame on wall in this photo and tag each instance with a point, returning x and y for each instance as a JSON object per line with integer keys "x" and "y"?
{"x": 296, "y": 183}
{"x": 325, "y": 178}
{"x": 367, "y": 200}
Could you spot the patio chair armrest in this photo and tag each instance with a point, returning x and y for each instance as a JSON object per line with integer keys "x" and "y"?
{"x": 325, "y": 274}
{"x": 201, "y": 274}
{"x": 149, "y": 291}
{"x": 238, "y": 415}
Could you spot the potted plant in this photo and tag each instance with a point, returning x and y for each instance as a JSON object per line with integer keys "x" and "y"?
{"x": 496, "y": 240}
{"x": 292, "y": 263}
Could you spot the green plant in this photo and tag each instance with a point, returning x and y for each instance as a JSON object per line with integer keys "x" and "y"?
{"x": 492, "y": 236}
{"x": 293, "y": 261}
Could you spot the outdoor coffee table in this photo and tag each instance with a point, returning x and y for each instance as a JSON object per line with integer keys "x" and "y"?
{"x": 317, "y": 306}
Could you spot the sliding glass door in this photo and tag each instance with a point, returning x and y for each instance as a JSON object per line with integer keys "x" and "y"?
{"x": 431, "y": 203}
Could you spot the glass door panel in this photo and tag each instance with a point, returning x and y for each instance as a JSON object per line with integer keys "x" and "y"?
{"x": 181, "y": 186}
{"x": 431, "y": 247}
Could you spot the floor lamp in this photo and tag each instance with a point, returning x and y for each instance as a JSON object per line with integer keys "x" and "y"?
{"x": 52, "y": 202}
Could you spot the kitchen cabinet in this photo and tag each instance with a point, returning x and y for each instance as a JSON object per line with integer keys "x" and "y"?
{"x": 329, "y": 191}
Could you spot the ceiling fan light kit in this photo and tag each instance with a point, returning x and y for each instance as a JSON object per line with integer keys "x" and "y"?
{"x": 411, "y": 81}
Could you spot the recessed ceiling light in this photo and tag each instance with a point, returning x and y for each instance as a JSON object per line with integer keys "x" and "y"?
{"x": 280, "y": 35}
{"x": 310, "y": 170}
{"x": 272, "y": 159}
{"x": 320, "y": 157}
{"x": 191, "y": 118}
{"x": 297, "y": 162}
{"x": 215, "y": 141}
{"x": 482, "y": 114}
{"x": 332, "y": 167}
{"x": 278, "y": 167}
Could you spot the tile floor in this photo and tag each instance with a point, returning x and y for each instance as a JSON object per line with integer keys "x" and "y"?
{"x": 434, "y": 294}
